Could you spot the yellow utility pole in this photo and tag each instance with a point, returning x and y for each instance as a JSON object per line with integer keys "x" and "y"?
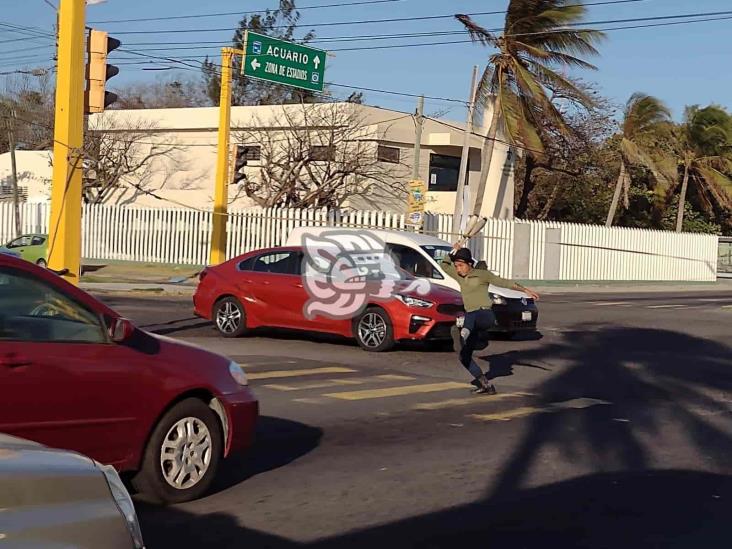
{"x": 65, "y": 224}
{"x": 221, "y": 192}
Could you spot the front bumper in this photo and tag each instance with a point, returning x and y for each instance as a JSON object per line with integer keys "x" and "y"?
{"x": 424, "y": 325}
{"x": 242, "y": 411}
{"x": 509, "y": 318}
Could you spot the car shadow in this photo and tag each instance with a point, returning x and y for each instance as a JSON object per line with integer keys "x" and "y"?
{"x": 175, "y": 326}
{"x": 278, "y": 442}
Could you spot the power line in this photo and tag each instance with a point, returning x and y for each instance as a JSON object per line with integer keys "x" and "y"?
{"x": 242, "y": 13}
{"x": 187, "y": 62}
{"x": 366, "y": 21}
{"x": 698, "y": 19}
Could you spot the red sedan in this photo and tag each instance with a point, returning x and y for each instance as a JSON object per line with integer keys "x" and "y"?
{"x": 75, "y": 375}
{"x": 265, "y": 288}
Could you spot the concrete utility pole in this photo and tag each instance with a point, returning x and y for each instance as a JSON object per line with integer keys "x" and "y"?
{"x": 64, "y": 247}
{"x": 221, "y": 192}
{"x": 10, "y": 123}
{"x": 418, "y": 137}
{"x": 457, "y": 215}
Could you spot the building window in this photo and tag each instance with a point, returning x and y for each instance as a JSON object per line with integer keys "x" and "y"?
{"x": 388, "y": 154}
{"x": 252, "y": 152}
{"x": 324, "y": 153}
{"x": 444, "y": 171}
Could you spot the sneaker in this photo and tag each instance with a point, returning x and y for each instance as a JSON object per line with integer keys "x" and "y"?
{"x": 488, "y": 390}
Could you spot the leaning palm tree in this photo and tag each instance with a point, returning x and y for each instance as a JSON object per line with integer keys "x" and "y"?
{"x": 705, "y": 141}
{"x": 644, "y": 115}
{"x": 538, "y": 37}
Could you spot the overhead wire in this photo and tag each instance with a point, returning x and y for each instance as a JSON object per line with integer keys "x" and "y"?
{"x": 363, "y": 22}
{"x": 241, "y": 13}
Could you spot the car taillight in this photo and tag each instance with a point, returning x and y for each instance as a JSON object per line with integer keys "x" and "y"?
{"x": 202, "y": 274}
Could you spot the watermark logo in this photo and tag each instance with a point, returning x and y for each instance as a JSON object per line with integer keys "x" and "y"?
{"x": 344, "y": 271}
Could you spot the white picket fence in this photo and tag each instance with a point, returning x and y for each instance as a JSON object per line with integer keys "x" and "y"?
{"x": 529, "y": 250}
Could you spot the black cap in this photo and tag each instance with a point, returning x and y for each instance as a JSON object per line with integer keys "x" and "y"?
{"x": 463, "y": 254}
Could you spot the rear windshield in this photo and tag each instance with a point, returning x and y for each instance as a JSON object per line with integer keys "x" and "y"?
{"x": 437, "y": 253}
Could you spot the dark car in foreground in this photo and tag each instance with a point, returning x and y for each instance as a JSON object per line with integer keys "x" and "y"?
{"x": 76, "y": 375}
{"x": 58, "y": 498}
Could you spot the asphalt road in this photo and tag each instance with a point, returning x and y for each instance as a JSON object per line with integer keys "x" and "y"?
{"x": 612, "y": 428}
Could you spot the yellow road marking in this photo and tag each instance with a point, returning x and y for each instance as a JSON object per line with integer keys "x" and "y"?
{"x": 475, "y": 399}
{"x": 296, "y": 373}
{"x": 336, "y": 382}
{"x": 523, "y": 411}
{"x": 397, "y": 391}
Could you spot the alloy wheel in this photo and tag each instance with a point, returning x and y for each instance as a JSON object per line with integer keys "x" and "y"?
{"x": 372, "y": 330}
{"x": 228, "y": 317}
{"x": 185, "y": 455}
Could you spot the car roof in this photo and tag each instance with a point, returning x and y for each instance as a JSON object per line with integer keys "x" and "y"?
{"x": 387, "y": 235}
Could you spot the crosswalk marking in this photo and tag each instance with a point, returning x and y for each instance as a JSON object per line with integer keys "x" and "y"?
{"x": 609, "y": 303}
{"x": 336, "y": 382}
{"x": 275, "y": 374}
{"x": 523, "y": 411}
{"x": 397, "y": 391}
{"x": 667, "y": 306}
{"x": 449, "y": 403}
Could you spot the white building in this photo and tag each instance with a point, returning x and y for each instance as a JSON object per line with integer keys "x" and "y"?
{"x": 185, "y": 175}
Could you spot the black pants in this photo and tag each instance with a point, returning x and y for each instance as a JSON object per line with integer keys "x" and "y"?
{"x": 474, "y": 328}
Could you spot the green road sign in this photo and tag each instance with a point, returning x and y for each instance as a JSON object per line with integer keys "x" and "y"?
{"x": 283, "y": 62}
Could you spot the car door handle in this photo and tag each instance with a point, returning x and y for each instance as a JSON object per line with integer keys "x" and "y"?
{"x": 14, "y": 361}
{"x": 265, "y": 283}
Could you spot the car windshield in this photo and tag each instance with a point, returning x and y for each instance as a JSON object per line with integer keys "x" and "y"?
{"x": 437, "y": 253}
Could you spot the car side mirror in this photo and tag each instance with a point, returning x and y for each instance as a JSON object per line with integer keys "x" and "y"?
{"x": 121, "y": 330}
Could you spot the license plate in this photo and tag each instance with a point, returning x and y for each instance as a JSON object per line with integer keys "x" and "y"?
{"x": 526, "y": 315}
{"x": 460, "y": 321}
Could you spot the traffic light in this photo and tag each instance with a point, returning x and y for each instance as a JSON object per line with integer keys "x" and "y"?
{"x": 239, "y": 163}
{"x": 96, "y": 98}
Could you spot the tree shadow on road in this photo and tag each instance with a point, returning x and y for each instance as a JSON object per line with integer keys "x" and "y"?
{"x": 659, "y": 377}
{"x": 658, "y": 385}
{"x": 670, "y": 509}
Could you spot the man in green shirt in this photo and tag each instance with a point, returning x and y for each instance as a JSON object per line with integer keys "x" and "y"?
{"x": 478, "y": 307}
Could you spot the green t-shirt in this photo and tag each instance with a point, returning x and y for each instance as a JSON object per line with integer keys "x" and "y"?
{"x": 474, "y": 287}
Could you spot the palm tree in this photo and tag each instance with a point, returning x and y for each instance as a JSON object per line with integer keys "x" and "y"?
{"x": 537, "y": 37}
{"x": 644, "y": 115}
{"x": 705, "y": 138}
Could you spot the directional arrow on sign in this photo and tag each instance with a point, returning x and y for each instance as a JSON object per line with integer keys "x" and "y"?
{"x": 256, "y": 64}
{"x": 316, "y": 62}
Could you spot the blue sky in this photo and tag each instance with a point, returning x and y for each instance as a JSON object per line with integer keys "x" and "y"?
{"x": 683, "y": 64}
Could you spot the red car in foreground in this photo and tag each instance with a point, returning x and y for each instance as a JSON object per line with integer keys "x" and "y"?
{"x": 75, "y": 375}
{"x": 265, "y": 288}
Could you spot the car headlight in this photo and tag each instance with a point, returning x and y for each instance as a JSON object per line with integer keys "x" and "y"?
{"x": 498, "y": 299}
{"x": 410, "y": 301}
{"x": 237, "y": 372}
{"x": 124, "y": 503}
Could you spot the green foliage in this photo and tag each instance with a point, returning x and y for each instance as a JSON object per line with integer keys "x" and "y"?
{"x": 523, "y": 77}
{"x": 694, "y": 221}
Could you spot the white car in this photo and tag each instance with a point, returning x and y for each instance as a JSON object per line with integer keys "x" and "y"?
{"x": 421, "y": 255}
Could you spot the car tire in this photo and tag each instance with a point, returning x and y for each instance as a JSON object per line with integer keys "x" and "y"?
{"x": 229, "y": 308}
{"x": 166, "y": 449}
{"x": 373, "y": 330}
{"x": 41, "y": 263}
